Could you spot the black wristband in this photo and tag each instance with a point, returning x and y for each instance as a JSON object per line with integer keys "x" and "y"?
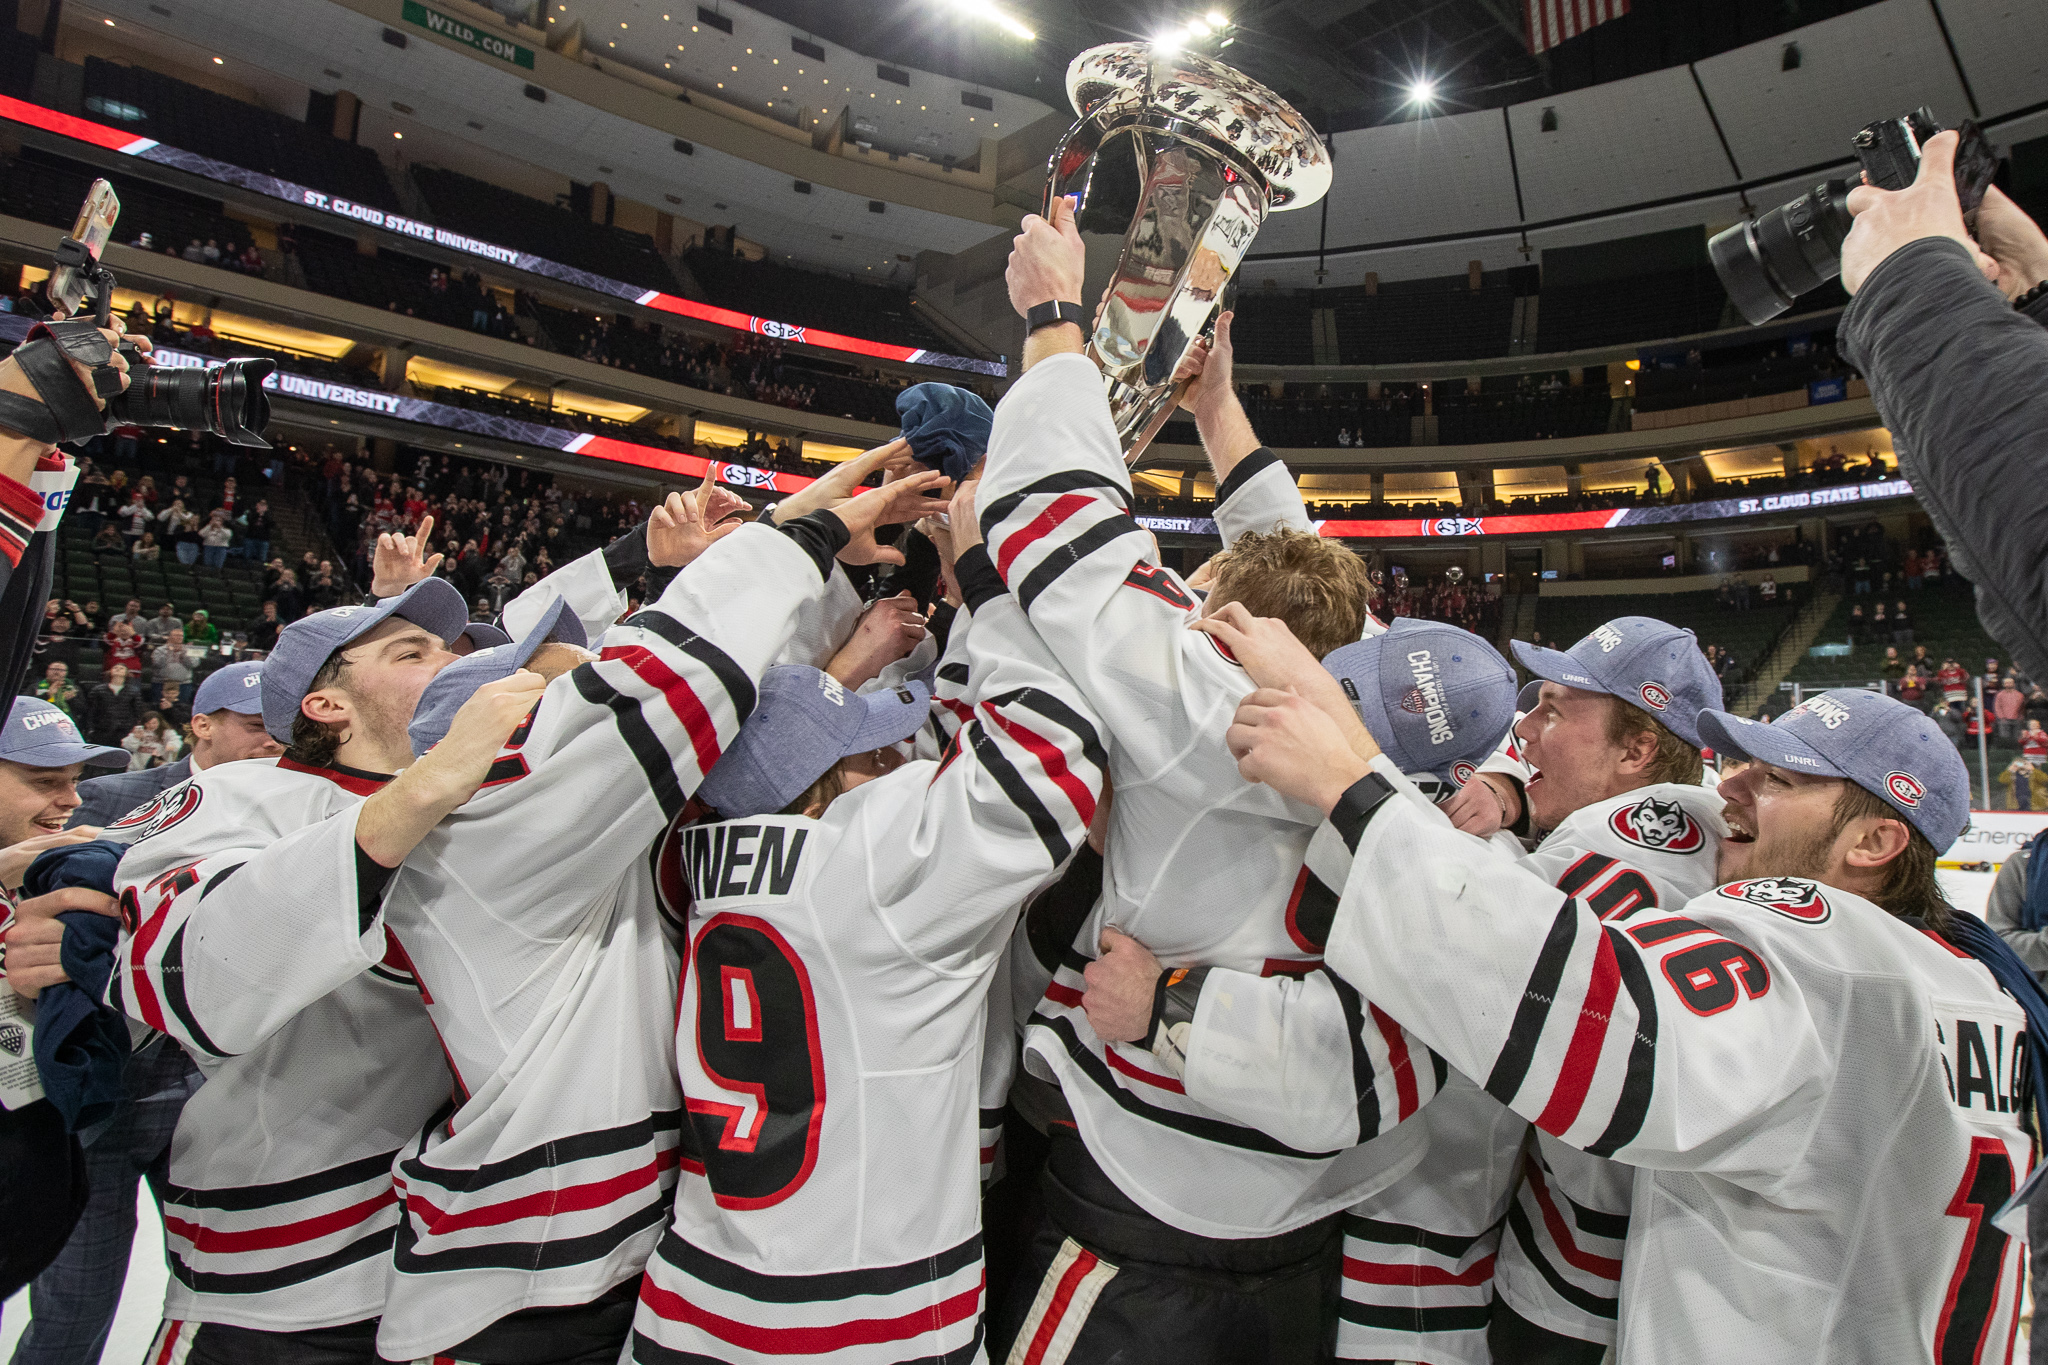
{"x": 2034, "y": 303}
{"x": 1050, "y": 314}
{"x": 1356, "y": 807}
{"x": 626, "y": 558}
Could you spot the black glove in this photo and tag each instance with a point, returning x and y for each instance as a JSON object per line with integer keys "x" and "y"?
{"x": 68, "y": 411}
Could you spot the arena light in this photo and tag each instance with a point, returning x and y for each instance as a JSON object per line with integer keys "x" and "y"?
{"x": 1003, "y": 20}
{"x": 1422, "y": 91}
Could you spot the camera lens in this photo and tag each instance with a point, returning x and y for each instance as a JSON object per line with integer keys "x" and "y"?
{"x": 226, "y": 399}
{"x": 1768, "y": 263}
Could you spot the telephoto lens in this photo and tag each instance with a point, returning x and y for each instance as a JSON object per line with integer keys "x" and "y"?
{"x": 1768, "y": 262}
{"x": 225, "y": 399}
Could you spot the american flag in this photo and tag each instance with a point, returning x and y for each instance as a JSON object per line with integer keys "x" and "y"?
{"x": 1553, "y": 21}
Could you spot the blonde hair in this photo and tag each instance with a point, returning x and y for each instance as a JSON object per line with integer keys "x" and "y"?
{"x": 1317, "y": 586}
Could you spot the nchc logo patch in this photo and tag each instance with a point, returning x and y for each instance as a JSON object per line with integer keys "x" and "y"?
{"x": 1660, "y": 825}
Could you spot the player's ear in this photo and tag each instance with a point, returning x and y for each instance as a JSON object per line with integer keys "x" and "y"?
{"x": 327, "y": 706}
{"x": 1875, "y": 841}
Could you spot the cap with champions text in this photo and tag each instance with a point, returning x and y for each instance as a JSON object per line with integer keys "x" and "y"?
{"x": 806, "y": 720}
{"x": 1881, "y": 744}
{"x": 455, "y": 684}
{"x": 1650, "y": 664}
{"x": 236, "y": 687}
{"x": 38, "y": 735}
{"x": 433, "y": 604}
{"x": 1433, "y": 696}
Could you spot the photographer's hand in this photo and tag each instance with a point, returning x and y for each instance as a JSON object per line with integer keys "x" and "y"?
{"x": 2014, "y": 240}
{"x": 1889, "y": 219}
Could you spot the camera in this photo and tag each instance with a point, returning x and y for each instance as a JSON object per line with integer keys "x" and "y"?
{"x": 1766, "y": 263}
{"x": 226, "y": 400}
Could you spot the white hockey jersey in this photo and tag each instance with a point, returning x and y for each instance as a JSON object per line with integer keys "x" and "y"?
{"x": 1820, "y": 1099}
{"x": 530, "y": 917}
{"x": 255, "y": 937}
{"x": 1420, "y": 1255}
{"x": 1201, "y": 866}
{"x": 831, "y": 1026}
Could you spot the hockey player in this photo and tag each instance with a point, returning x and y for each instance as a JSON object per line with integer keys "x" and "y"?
{"x": 1818, "y": 1090}
{"x": 321, "y": 1061}
{"x": 1629, "y": 829}
{"x": 1171, "y": 1229}
{"x": 532, "y": 923}
{"x": 849, "y": 912}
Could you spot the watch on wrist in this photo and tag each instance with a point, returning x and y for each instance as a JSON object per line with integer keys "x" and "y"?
{"x": 1050, "y": 314}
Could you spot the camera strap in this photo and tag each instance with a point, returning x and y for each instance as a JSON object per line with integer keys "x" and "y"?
{"x": 68, "y": 411}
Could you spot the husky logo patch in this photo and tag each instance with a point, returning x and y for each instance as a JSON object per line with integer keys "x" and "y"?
{"x": 167, "y": 808}
{"x": 1789, "y": 896}
{"x": 1904, "y": 788}
{"x": 1660, "y": 825}
{"x": 1655, "y": 697}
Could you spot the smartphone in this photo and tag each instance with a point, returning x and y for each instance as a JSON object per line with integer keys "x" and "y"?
{"x": 94, "y": 227}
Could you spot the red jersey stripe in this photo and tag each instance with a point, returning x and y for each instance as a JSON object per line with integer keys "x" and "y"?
{"x": 1575, "y": 1077}
{"x": 1038, "y": 528}
{"x": 781, "y": 1341}
{"x": 1417, "y": 1276}
{"x": 215, "y": 1242}
{"x": 681, "y": 698}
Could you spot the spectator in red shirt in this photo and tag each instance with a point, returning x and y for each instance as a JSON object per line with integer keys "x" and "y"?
{"x": 2034, "y": 742}
{"x": 1955, "y": 684}
{"x": 2008, "y": 704}
{"x": 123, "y": 648}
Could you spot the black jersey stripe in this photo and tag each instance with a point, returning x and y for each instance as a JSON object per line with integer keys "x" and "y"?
{"x": 1388, "y": 1233}
{"x": 654, "y": 760}
{"x": 739, "y": 688}
{"x": 1361, "y": 1058}
{"x": 1594, "y": 1305}
{"x": 997, "y": 764}
{"x": 171, "y": 971}
{"x": 760, "y": 1287}
{"x": 1221, "y": 1133}
{"x": 1580, "y": 874}
{"x": 246, "y": 1198}
{"x": 648, "y": 1351}
{"x": 1640, "y": 1080}
{"x": 1511, "y": 1067}
{"x": 625, "y": 1137}
{"x": 555, "y": 1253}
{"x": 1070, "y": 552}
{"x": 1459, "y": 1318}
{"x": 1650, "y": 935}
{"x": 375, "y": 1244}
{"x": 1066, "y": 481}
{"x": 1062, "y": 715}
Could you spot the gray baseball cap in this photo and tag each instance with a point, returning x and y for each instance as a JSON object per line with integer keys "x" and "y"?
{"x": 454, "y": 685}
{"x": 302, "y": 647}
{"x": 1881, "y": 744}
{"x": 39, "y": 735}
{"x": 1650, "y": 664}
{"x": 484, "y": 635}
{"x": 806, "y": 720}
{"x": 1432, "y": 695}
{"x": 237, "y": 688}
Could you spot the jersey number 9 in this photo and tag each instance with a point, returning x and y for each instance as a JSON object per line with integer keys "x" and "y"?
{"x": 757, "y": 1040}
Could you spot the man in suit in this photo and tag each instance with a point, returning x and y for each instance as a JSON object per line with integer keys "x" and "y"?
{"x": 227, "y": 724}
{"x": 73, "y": 1301}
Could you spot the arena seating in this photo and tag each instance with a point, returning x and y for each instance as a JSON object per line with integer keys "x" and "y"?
{"x": 196, "y": 120}
{"x": 1432, "y": 319}
{"x": 771, "y": 290}
{"x": 1745, "y": 634}
{"x": 1671, "y": 303}
{"x": 502, "y": 215}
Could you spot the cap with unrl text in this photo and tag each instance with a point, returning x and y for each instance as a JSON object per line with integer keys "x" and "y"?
{"x": 433, "y": 604}
{"x": 1650, "y": 664}
{"x": 1881, "y": 744}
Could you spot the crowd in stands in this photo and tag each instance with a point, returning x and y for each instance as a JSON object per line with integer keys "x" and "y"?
{"x": 499, "y": 529}
{"x": 1445, "y": 597}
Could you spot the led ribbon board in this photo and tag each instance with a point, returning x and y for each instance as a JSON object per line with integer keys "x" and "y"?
{"x": 148, "y": 149}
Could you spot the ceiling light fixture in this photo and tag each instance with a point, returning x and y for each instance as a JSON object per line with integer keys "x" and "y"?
{"x": 1422, "y": 91}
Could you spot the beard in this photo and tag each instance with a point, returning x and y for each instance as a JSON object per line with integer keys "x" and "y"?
{"x": 1805, "y": 855}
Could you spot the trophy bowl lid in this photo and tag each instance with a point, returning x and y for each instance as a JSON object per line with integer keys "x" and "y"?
{"x": 1227, "y": 105}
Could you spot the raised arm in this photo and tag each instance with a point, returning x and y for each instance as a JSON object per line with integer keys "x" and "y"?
{"x": 1255, "y": 491}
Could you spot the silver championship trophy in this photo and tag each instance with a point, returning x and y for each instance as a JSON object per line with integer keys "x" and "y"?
{"x": 1185, "y": 158}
